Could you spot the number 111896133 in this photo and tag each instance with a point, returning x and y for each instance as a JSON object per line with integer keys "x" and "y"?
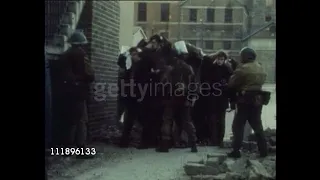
{"x": 72, "y": 151}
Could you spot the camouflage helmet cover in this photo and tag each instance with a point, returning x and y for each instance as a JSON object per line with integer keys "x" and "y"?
{"x": 249, "y": 53}
{"x": 78, "y": 38}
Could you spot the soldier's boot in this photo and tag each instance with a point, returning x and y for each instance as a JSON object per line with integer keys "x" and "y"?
{"x": 164, "y": 146}
{"x": 234, "y": 154}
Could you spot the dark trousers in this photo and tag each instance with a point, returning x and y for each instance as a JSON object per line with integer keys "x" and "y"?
{"x": 151, "y": 114}
{"x": 186, "y": 122}
{"x": 217, "y": 124}
{"x": 251, "y": 113}
{"x": 200, "y": 118}
{"x": 131, "y": 115}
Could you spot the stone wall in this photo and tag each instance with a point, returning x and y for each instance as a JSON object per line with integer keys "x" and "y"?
{"x": 100, "y": 22}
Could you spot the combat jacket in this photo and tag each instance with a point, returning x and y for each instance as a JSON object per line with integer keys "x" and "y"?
{"x": 248, "y": 77}
{"x": 77, "y": 73}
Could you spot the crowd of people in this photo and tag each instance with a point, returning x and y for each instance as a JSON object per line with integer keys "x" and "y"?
{"x": 167, "y": 88}
{"x": 189, "y": 91}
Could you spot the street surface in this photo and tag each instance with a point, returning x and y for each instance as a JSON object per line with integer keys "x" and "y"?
{"x": 113, "y": 163}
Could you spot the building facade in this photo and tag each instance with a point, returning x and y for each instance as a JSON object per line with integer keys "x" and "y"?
{"x": 211, "y": 25}
{"x": 261, "y": 34}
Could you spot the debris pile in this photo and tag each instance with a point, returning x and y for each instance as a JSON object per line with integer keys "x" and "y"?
{"x": 218, "y": 167}
{"x": 251, "y": 145}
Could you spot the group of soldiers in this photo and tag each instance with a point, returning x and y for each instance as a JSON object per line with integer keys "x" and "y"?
{"x": 169, "y": 88}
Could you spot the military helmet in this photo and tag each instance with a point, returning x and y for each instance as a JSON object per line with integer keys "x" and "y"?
{"x": 249, "y": 53}
{"x": 78, "y": 38}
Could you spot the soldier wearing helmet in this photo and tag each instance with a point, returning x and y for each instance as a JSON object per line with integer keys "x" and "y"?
{"x": 78, "y": 74}
{"x": 247, "y": 81}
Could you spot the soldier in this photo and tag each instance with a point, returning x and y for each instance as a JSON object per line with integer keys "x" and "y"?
{"x": 247, "y": 81}
{"x": 78, "y": 74}
{"x": 179, "y": 101}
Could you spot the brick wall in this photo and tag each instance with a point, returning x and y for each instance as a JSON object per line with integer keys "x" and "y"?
{"x": 100, "y": 22}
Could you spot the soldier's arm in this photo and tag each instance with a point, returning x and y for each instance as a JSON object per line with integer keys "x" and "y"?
{"x": 236, "y": 78}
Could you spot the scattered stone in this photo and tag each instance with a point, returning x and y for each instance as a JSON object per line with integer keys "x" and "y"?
{"x": 202, "y": 177}
{"x": 273, "y": 140}
{"x": 193, "y": 169}
{"x": 270, "y": 165}
{"x": 272, "y": 149}
{"x": 209, "y": 177}
{"x": 221, "y": 157}
{"x": 256, "y": 171}
{"x": 234, "y": 176}
{"x": 214, "y": 161}
{"x": 226, "y": 166}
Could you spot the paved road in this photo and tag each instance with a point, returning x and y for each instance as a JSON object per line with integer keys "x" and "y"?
{"x": 129, "y": 164}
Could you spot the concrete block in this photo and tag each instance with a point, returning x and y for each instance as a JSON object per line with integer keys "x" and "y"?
{"x": 209, "y": 177}
{"x": 256, "y": 171}
{"x": 221, "y": 156}
{"x": 193, "y": 169}
{"x": 214, "y": 161}
{"x": 227, "y": 165}
{"x": 234, "y": 176}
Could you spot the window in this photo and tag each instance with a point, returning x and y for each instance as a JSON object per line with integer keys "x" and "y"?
{"x": 268, "y": 18}
{"x": 193, "y": 42}
{"x": 165, "y": 9}
{"x": 142, "y": 12}
{"x": 227, "y": 45}
{"x": 208, "y": 44}
{"x": 165, "y": 34}
{"x": 210, "y": 15}
{"x": 193, "y": 15}
{"x": 228, "y": 15}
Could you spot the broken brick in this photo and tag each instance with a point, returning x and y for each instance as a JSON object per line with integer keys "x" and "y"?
{"x": 257, "y": 171}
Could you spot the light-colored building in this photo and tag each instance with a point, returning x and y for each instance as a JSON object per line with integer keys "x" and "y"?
{"x": 127, "y": 25}
{"x": 210, "y": 24}
{"x": 262, "y": 35}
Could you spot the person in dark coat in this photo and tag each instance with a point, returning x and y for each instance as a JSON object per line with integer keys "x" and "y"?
{"x": 128, "y": 92}
{"x": 220, "y": 72}
{"x": 247, "y": 81}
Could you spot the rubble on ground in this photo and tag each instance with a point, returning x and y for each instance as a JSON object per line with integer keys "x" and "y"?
{"x": 218, "y": 167}
{"x": 251, "y": 145}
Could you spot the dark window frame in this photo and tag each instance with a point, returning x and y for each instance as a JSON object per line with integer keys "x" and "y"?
{"x": 206, "y": 43}
{"x": 228, "y": 15}
{"x": 210, "y": 15}
{"x": 193, "y": 15}
{"x": 164, "y": 12}
{"x": 142, "y": 12}
{"x": 227, "y": 45}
